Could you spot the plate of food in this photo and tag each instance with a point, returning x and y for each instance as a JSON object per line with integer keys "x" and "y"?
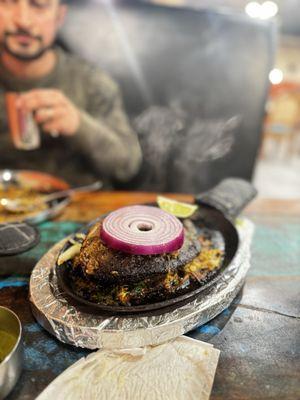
{"x": 29, "y": 187}
{"x": 143, "y": 258}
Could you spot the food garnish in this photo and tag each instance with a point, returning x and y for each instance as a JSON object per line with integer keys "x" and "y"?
{"x": 176, "y": 208}
{"x": 69, "y": 254}
{"x": 142, "y": 230}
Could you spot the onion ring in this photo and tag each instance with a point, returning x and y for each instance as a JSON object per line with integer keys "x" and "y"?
{"x": 142, "y": 230}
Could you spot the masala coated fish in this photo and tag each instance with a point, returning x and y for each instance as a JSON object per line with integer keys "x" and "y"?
{"x": 110, "y": 266}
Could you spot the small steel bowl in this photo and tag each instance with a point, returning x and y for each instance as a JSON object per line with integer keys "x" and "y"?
{"x": 10, "y": 367}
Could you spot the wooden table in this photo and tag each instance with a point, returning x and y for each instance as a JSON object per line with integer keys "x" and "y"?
{"x": 259, "y": 335}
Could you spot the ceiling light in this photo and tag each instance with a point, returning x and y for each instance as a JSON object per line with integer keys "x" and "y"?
{"x": 253, "y": 9}
{"x": 276, "y": 76}
{"x": 266, "y": 10}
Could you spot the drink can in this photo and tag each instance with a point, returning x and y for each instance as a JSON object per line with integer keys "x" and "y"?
{"x": 24, "y": 131}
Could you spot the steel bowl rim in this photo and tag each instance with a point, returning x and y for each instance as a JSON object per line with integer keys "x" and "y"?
{"x": 12, "y": 352}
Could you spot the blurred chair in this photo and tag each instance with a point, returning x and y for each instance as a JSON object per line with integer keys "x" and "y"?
{"x": 206, "y": 70}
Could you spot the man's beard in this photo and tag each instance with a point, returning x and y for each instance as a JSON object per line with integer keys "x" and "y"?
{"x": 23, "y": 56}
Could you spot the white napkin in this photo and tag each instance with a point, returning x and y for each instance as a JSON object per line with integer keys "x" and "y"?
{"x": 182, "y": 369}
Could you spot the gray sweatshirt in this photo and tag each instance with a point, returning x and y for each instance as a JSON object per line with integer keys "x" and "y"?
{"x": 104, "y": 147}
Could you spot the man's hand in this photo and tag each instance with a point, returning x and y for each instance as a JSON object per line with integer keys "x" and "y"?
{"x": 52, "y": 110}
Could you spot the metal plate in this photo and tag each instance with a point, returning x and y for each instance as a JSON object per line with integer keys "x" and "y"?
{"x": 78, "y": 326}
{"x": 40, "y": 182}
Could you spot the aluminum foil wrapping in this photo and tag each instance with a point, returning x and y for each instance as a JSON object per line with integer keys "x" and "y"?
{"x": 72, "y": 326}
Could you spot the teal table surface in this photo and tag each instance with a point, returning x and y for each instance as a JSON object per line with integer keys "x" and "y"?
{"x": 258, "y": 335}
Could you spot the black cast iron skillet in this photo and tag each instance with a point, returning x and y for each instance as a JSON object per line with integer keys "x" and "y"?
{"x": 218, "y": 209}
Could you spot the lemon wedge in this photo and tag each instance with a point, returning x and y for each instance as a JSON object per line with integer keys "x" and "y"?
{"x": 177, "y": 208}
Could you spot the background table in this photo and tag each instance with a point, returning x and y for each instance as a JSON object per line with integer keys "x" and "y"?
{"x": 259, "y": 335}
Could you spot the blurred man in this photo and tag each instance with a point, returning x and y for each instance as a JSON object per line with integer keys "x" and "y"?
{"x": 77, "y": 107}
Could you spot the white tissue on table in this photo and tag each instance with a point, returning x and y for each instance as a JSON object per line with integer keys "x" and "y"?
{"x": 182, "y": 369}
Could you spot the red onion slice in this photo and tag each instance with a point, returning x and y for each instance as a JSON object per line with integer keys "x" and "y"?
{"x": 142, "y": 230}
